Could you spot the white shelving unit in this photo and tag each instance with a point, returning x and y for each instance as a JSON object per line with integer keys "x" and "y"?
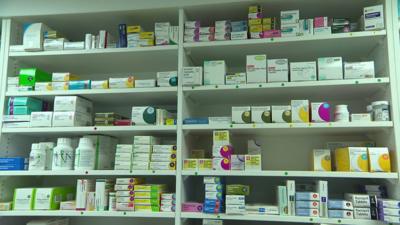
{"x": 286, "y": 147}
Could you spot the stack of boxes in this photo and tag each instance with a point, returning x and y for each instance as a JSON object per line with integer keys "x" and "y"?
{"x": 365, "y": 206}
{"x": 255, "y": 22}
{"x": 123, "y": 157}
{"x": 146, "y": 39}
{"x": 223, "y": 30}
{"x": 19, "y": 111}
{"x": 239, "y": 30}
{"x": 167, "y": 202}
{"x": 142, "y": 148}
{"x": 163, "y": 157}
{"x": 85, "y": 195}
{"x": 125, "y": 193}
{"x": 290, "y": 23}
{"x": 389, "y": 210}
{"x": 166, "y": 34}
{"x": 148, "y": 197}
{"x": 133, "y": 35}
{"x": 63, "y": 81}
{"x": 212, "y": 222}
{"x": 70, "y": 111}
{"x": 12, "y": 83}
{"x": 235, "y": 198}
{"x": 106, "y": 119}
{"x": 307, "y": 204}
{"x": 222, "y": 150}
{"x": 103, "y": 188}
{"x": 214, "y": 195}
{"x": 29, "y": 76}
{"x": 340, "y": 209}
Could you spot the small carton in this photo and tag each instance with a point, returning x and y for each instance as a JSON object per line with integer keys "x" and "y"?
{"x": 241, "y": 114}
{"x": 303, "y": 71}
{"x": 214, "y": 72}
{"x": 278, "y": 70}
{"x": 320, "y": 112}
{"x": 352, "y": 159}
{"x": 300, "y": 111}
{"x": 256, "y": 68}
{"x": 330, "y": 68}
{"x": 359, "y": 70}
{"x": 379, "y": 159}
{"x": 192, "y": 76}
{"x": 253, "y": 163}
{"x": 261, "y": 114}
{"x": 281, "y": 114}
{"x": 322, "y": 160}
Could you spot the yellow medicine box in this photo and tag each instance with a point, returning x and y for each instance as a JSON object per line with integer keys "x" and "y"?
{"x": 134, "y": 29}
{"x": 256, "y": 28}
{"x": 379, "y": 159}
{"x": 322, "y": 160}
{"x": 205, "y": 164}
{"x": 267, "y": 20}
{"x": 255, "y": 22}
{"x": 146, "y": 35}
{"x": 352, "y": 159}
{"x": 255, "y": 9}
{"x": 190, "y": 164}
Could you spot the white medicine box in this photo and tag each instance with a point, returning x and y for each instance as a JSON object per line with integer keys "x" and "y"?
{"x": 330, "y": 68}
{"x": 41, "y": 119}
{"x": 241, "y": 114}
{"x": 192, "y": 76}
{"x": 256, "y": 68}
{"x": 359, "y": 70}
{"x": 303, "y": 71}
{"x": 214, "y": 72}
{"x": 374, "y": 18}
{"x": 278, "y": 70}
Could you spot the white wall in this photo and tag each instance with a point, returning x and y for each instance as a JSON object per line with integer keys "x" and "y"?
{"x": 9, "y": 8}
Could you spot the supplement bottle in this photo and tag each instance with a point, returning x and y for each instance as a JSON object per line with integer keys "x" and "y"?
{"x": 85, "y": 155}
{"x": 37, "y": 157}
{"x": 63, "y": 155}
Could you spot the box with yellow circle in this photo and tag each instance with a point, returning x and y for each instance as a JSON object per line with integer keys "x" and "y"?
{"x": 322, "y": 160}
{"x": 352, "y": 159}
{"x": 379, "y": 159}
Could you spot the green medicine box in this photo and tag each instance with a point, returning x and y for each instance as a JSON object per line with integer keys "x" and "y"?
{"x": 29, "y": 76}
{"x": 24, "y": 198}
{"x": 50, "y": 198}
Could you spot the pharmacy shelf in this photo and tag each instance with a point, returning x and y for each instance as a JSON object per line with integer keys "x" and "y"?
{"x": 293, "y": 128}
{"x": 282, "y": 91}
{"x": 92, "y": 61}
{"x": 298, "y": 48}
{"x": 159, "y": 95}
{"x": 273, "y": 218}
{"x": 106, "y": 130}
{"x": 106, "y": 173}
{"x": 89, "y": 213}
{"x": 283, "y": 173}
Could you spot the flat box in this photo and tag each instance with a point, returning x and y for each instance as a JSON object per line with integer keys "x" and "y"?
{"x": 148, "y": 83}
{"x": 140, "y": 165}
{"x": 146, "y": 35}
{"x": 235, "y": 200}
{"x": 241, "y": 114}
{"x": 50, "y": 198}
{"x": 237, "y": 78}
{"x": 43, "y": 86}
{"x": 150, "y": 187}
{"x": 124, "y": 82}
{"x": 379, "y": 159}
{"x": 192, "y": 24}
{"x": 300, "y": 111}
{"x": 222, "y": 36}
{"x": 41, "y": 119}
{"x": 214, "y": 195}
{"x": 359, "y": 70}
{"x": 214, "y": 187}
{"x": 213, "y": 180}
{"x": 163, "y": 157}
{"x": 71, "y": 119}
{"x": 387, "y": 203}
{"x": 133, "y": 29}
{"x": 257, "y": 15}
{"x": 54, "y": 44}
{"x": 221, "y": 137}
{"x": 340, "y": 204}
{"x": 129, "y": 180}
{"x": 307, "y": 212}
{"x": 219, "y": 120}
{"x": 79, "y": 85}
{"x": 59, "y": 86}
{"x": 145, "y": 140}
{"x": 53, "y": 221}
{"x": 290, "y": 16}
{"x": 167, "y": 79}
{"x": 141, "y": 157}
{"x": 192, "y": 76}
{"x": 124, "y": 193}
{"x": 17, "y": 48}
{"x": 278, "y": 70}
{"x": 307, "y": 204}
{"x": 164, "y": 148}
{"x": 330, "y": 68}
{"x": 214, "y": 72}
{"x": 237, "y": 189}
{"x": 320, "y": 112}
{"x": 212, "y": 222}
{"x": 72, "y": 104}
{"x": 205, "y": 164}
{"x": 303, "y": 71}
{"x": 144, "y": 201}
{"x": 358, "y": 200}
{"x": 20, "y": 110}
{"x": 235, "y": 209}
{"x": 148, "y": 195}
{"x": 237, "y": 162}
{"x": 281, "y": 114}
{"x": 261, "y": 114}
{"x": 221, "y": 164}
{"x": 322, "y": 160}
{"x": 62, "y": 77}
{"x": 256, "y": 68}
{"x": 126, "y": 199}
{"x": 168, "y": 196}
{"x": 321, "y": 21}
{"x": 342, "y": 214}
{"x": 360, "y": 117}
{"x": 257, "y": 35}
{"x": 124, "y": 148}
{"x": 262, "y": 209}
{"x": 253, "y": 163}
{"x": 307, "y": 196}
{"x": 24, "y": 198}
{"x": 256, "y": 28}
{"x": 16, "y": 125}
{"x": 289, "y": 30}
{"x": 29, "y": 76}
{"x": 99, "y": 84}
{"x": 352, "y": 159}
{"x": 76, "y": 45}
{"x": 253, "y": 22}
{"x": 391, "y": 212}
{"x": 123, "y": 206}
{"x": 322, "y": 31}
{"x": 162, "y": 165}
{"x": 392, "y": 219}
{"x": 16, "y": 118}
{"x": 124, "y": 187}
{"x": 362, "y": 213}
{"x": 239, "y": 35}
{"x": 374, "y": 18}
{"x": 143, "y": 115}
{"x": 142, "y": 148}
{"x": 5, "y": 206}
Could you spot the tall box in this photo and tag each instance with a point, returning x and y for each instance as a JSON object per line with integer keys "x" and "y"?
{"x": 278, "y": 70}
{"x": 256, "y": 68}
{"x": 214, "y": 72}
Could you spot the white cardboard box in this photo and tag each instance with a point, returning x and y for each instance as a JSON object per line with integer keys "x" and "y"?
{"x": 330, "y": 68}
{"x": 214, "y": 72}
{"x": 303, "y": 71}
{"x": 241, "y": 114}
{"x": 278, "y": 70}
{"x": 41, "y": 119}
{"x": 192, "y": 76}
{"x": 359, "y": 70}
{"x": 256, "y": 68}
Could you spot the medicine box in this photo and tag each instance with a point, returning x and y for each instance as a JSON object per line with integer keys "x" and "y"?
{"x": 307, "y": 204}
{"x": 79, "y": 84}
{"x": 281, "y": 114}
{"x": 341, "y": 214}
{"x": 307, "y": 212}
{"x": 322, "y": 160}
{"x": 59, "y": 86}
{"x": 374, "y": 18}
{"x": 221, "y": 164}
{"x": 147, "y": 83}
{"x": 235, "y": 209}
{"x": 33, "y": 36}
{"x": 278, "y": 70}
{"x": 224, "y": 151}
{"x": 41, "y": 119}
{"x": 256, "y": 68}
{"x": 237, "y": 162}
{"x": 290, "y": 16}
{"x": 142, "y": 148}
{"x": 322, "y": 30}
{"x": 167, "y": 79}
{"x": 289, "y": 30}
{"x": 143, "y": 115}
{"x": 99, "y": 84}
{"x": 29, "y": 76}
{"x": 190, "y": 164}
{"x": 352, "y": 159}
{"x": 62, "y": 77}
{"x": 360, "y": 117}
{"x": 362, "y": 213}
{"x": 237, "y": 78}
{"x": 72, "y": 104}
{"x": 145, "y": 140}
{"x": 164, "y": 148}
{"x": 205, "y": 164}
{"x": 24, "y": 198}
{"x": 241, "y": 114}
{"x": 50, "y": 198}
{"x": 43, "y": 86}
{"x": 214, "y": 72}
{"x": 162, "y": 166}
{"x": 124, "y": 82}
{"x": 300, "y": 111}
{"x": 253, "y": 163}
{"x": 340, "y": 204}
{"x": 379, "y": 159}
{"x": 261, "y": 114}
{"x": 303, "y": 71}
{"x": 71, "y": 119}
{"x": 307, "y": 196}
{"x": 320, "y": 112}
{"x": 192, "y": 76}
{"x": 359, "y": 70}
{"x": 330, "y": 68}
{"x": 358, "y": 200}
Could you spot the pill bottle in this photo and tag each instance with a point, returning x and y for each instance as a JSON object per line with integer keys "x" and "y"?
{"x": 63, "y": 155}
{"x": 342, "y": 113}
{"x": 85, "y": 156}
{"x": 37, "y": 157}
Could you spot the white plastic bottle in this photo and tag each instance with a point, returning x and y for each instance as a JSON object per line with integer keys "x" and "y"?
{"x": 85, "y": 155}
{"x": 342, "y": 113}
{"x": 37, "y": 157}
{"x": 63, "y": 155}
